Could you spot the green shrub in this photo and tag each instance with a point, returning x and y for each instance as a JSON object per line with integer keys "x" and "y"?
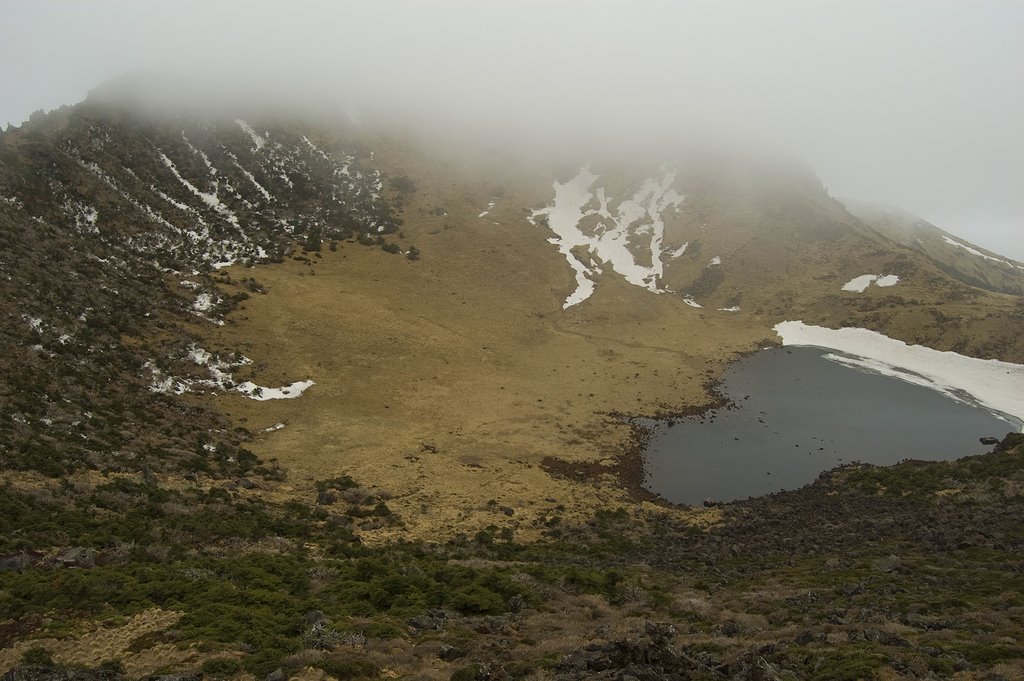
{"x": 113, "y": 666}
{"x": 221, "y": 667}
{"x": 344, "y": 668}
{"x": 468, "y": 673}
{"x": 477, "y": 599}
{"x": 37, "y": 656}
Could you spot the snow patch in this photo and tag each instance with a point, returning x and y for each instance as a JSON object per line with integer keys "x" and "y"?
{"x": 221, "y": 379}
{"x": 993, "y": 384}
{"x": 734, "y": 308}
{"x": 860, "y": 284}
{"x": 717, "y": 260}
{"x": 211, "y": 200}
{"x": 262, "y": 393}
{"x": 205, "y": 302}
{"x": 84, "y": 215}
{"x": 615, "y": 232}
{"x": 315, "y": 148}
{"x": 258, "y": 142}
{"x": 974, "y": 251}
{"x": 691, "y": 302}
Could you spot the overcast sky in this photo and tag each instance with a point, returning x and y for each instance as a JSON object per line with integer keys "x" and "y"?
{"x": 916, "y": 103}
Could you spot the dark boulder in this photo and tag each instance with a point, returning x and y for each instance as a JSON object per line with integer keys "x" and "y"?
{"x": 515, "y": 603}
{"x": 1009, "y": 442}
{"x": 76, "y": 556}
{"x": 432, "y": 620}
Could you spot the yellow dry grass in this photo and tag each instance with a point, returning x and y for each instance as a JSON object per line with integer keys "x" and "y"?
{"x": 98, "y": 644}
{"x": 446, "y": 381}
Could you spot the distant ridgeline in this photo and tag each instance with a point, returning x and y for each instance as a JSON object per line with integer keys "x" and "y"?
{"x": 953, "y": 256}
{"x": 111, "y": 227}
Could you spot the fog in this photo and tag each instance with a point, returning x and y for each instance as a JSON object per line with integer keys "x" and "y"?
{"x": 919, "y": 104}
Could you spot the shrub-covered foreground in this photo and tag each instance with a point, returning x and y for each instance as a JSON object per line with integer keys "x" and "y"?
{"x": 911, "y": 572}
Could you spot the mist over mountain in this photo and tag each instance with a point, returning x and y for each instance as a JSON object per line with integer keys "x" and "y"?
{"x": 869, "y": 93}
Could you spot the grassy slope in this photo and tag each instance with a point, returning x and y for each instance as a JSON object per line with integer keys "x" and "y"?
{"x": 442, "y": 386}
{"x": 449, "y": 380}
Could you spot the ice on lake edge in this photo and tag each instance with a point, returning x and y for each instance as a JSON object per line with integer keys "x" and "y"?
{"x": 993, "y": 384}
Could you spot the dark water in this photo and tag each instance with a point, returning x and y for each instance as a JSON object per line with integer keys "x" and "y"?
{"x": 797, "y": 415}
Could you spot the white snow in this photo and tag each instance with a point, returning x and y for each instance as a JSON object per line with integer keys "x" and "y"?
{"x": 679, "y": 251}
{"x": 221, "y": 379}
{"x": 203, "y": 302}
{"x": 85, "y": 216}
{"x": 974, "y": 251}
{"x": 174, "y": 202}
{"x": 860, "y": 284}
{"x": 258, "y": 142}
{"x": 256, "y": 184}
{"x": 691, "y": 302}
{"x": 717, "y": 260}
{"x": 967, "y": 248}
{"x": 615, "y": 232}
{"x": 734, "y": 308}
{"x": 148, "y": 210}
{"x": 276, "y": 426}
{"x": 993, "y": 384}
{"x": 490, "y": 205}
{"x": 249, "y": 176}
{"x": 211, "y": 200}
{"x": 261, "y": 393}
{"x": 200, "y": 153}
{"x": 315, "y": 148}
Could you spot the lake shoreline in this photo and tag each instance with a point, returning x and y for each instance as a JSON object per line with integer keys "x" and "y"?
{"x": 781, "y": 418}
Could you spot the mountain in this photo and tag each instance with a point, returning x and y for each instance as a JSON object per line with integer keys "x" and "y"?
{"x": 959, "y": 258}
{"x": 331, "y": 398}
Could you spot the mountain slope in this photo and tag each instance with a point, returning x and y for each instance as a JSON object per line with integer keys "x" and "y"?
{"x": 545, "y": 301}
{"x": 961, "y": 259}
{"x": 243, "y": 436}
{"x": 113, "y": 225}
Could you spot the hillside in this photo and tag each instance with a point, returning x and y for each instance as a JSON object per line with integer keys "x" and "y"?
{"x": 968, "y": 263}
{"x": 258, "y": 369}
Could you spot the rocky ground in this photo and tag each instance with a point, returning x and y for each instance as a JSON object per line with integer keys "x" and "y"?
{"x": 905, "y": 572}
